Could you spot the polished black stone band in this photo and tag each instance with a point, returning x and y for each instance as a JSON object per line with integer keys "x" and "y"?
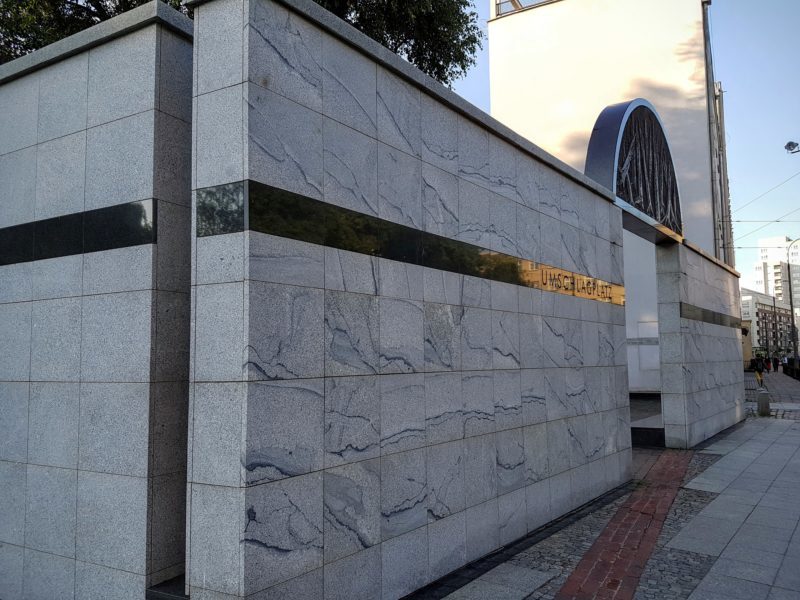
{"x": 221, "y": 209}
{"x": 696, "y": 313}
{"x": 119, "y": 226}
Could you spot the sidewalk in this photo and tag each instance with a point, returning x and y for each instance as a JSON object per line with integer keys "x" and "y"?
{"x": 785, "y": 393}
{"x": 717, "y": 523}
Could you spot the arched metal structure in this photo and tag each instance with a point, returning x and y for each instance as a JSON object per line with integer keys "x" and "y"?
{"x": 630, "y": 155}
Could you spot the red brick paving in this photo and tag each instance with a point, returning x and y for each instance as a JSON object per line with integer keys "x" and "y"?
{"x": 613, "y": 565}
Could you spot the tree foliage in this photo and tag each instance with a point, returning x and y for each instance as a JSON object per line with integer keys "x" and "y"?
{"x": 27, "y": 25}
{"x": 439, "y": 37}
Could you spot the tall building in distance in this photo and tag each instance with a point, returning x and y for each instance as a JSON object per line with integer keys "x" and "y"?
{"x": 771, "y": 272}
{"x": 770, "y": 322}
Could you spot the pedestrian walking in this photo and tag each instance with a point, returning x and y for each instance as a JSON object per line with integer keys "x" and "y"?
{"x": 767, "y": 364}
{"x": 759, "y": 371}
{"x": 775, "y": 362}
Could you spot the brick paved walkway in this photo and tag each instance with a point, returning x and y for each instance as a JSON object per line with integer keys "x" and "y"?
{"x": 615, "y": 562}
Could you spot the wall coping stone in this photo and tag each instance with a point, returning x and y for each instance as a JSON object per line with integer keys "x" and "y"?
{"x": 123, "y": 24}
{"x": 399, "y": 66}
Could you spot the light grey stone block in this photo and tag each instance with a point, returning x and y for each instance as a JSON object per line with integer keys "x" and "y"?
{"x": 118, "y": 270}
{"x": 12, "y": 499}
{"x": 476, "y": 339}
{"x": 402, "y": 412}
{"x": 534, "y": 404}
{"x": 63, "y": 97}
{"x": 351, "y": 271}
{"x": 505, "y": 340}
{"x": 441, "y": 286}
{"x": 219, "y": 343}
{"x": 530, "y": 340}
{"x": 507, "y": 399}
{"x": 285, "y": 54}
{"x": 399, "y": 187}
{"x": 93, "y": 582}
{"x": 439, "y": 201}
{"x": 56, "y": 340}
{"x": 505, "y": 296}
{"x": 357, "y": 577}
{"x": 286, "y": 332}
{"x": 503, "y": 168}
{"x": 401, "y": 331}
{"x": 482, "y": 529}
{"x": 503, "y": 234}
{"x": 476, "y": 292}
{"x": 215, "y": 553}
{"x": 349, "y": 86}
{"x": 47, "y": 576}
{"x": 400, "y": 279}
{"x": 473, "y": 152}
{"x": 475, "y": 224}
{"x": 219, "y": 145}
{"x": 447, "y": 545}
{"x": 537, "y": 450}
{"x": 220, "y": 258}
{"x": 538, "y": 504}
{"x": 114, "y": 428}
{"x": 14, "y": 421}
{"x": 285, "y": 421}
{"x": 577, "y": 434}
{"x": 410, "y": 553}
{"x": 442, "y": 337}
{"x": 510, "y": 460}
{"x": 550, "y": 246}
{"x": 219, "y": 57}
{"x": 528, "y": 233}
{"x": 50, "y": 509}
{"x": 56, "y": 277}
{"x": 283, "y": 530}
{"x": 171, "y": 344}
{"x": 444, "y": 407}
{"x": 308, "y": 586}
{"x": 284, "y": 143}
{"x": 282, "y": 260}
{"x": 351, "y": 168}
{"x": 352, "y": 419}
{"x": 480, "y": 469}
{"x": 398, "y": 112}
{"x": 119, "y": 161}
{"x": 53, "y": 424}
{"x": 60, "y": 173}
{"x": 576, "y": 399}
{"x": 19, "y": 121}
{"x": 558, "y": 446}
{"x": 404, "y": 493}
{"x": 122, "y": 77}
{"x": 16, "y": 282}
{"x": 351, "y": 334}
{"x": 11, "y": 565}
{"x": 555, "y": 390}
{"x": 112, "y": 503}
{"x": 115, "y": 334}
{"x": 352, "y": 509}
{"x": 217, "y": 433}
{"x": 15, "y": 341}
{"x": 478, "y": 392}
{"x": 17, "y": 182}
{"x": 439, "y": 134}
{"x": 512, "y": 516}
{"x": 445, "y": 480}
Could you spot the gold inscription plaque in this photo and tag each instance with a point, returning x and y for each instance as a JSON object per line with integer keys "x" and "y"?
{"x": 560, "y": 281}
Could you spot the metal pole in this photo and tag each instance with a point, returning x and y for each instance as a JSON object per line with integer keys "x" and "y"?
{"x": 791, "y": 307}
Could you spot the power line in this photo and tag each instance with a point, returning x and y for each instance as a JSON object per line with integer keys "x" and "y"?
{"x": 755, "y": 221}
{"x": 765, "y": 193}
{"x": 791, "y": 212}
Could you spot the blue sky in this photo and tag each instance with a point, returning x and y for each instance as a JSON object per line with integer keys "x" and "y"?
{"x": 756, "y": 48}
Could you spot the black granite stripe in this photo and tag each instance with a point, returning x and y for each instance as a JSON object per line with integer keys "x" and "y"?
{"x": 696, "y": 313}
{"x": 119, "y": 226}
{"x": 277, "y": 212}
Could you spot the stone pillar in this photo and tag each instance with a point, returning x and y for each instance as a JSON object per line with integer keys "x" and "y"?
{"x": 94, "y": 307}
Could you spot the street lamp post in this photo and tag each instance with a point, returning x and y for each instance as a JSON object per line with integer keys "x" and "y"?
{"x": 791, "y": 305}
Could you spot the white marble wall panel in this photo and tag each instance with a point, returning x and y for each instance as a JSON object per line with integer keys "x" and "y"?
{"x": 351, "y": 411}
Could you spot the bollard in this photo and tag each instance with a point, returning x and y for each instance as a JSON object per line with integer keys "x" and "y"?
{"x": 763, "y": 403}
